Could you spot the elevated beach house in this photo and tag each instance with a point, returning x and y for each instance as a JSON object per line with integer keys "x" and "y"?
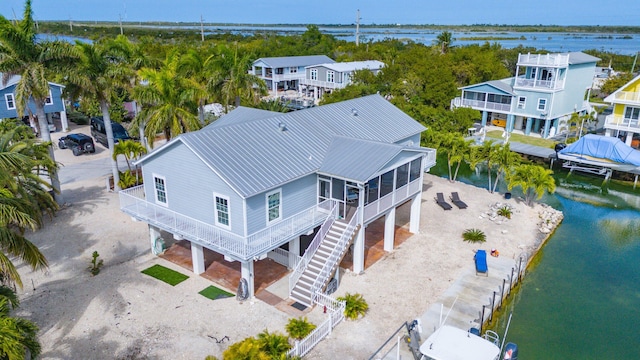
{"x": 625, "y": 118}
{"x": 325, "y": 78}
{"x": 285, "y": 73}
{"x": 253, "y": 182}
{"x": 540, "y": 99}
{"x": 54, "y": 107}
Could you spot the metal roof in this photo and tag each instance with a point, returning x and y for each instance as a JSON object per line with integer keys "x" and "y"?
{"x": 16, "y": 78}
{"x": 359, "y": 160}
{"x": 503, "y": 85}
{"x": 578, "y": 57}
{"x": 253, "y": 156}
{"x": 240, "y": 115}
{"x": 353, "y": 65}
{"x": 295, "y": 61}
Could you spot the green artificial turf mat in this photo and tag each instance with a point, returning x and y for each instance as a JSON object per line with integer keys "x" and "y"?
{"x": 167, "y": 275}
{"x": 214, "y": 293}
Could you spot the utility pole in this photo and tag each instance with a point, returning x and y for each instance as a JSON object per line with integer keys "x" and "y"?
{"x": 201, "y": 28}
{"x": 634, "y": 63}
{"x": 358, "y": 27}
{"x": 70, "y": 24}
{"x": 15, "y": 18}
{"x": 120, "y": 22}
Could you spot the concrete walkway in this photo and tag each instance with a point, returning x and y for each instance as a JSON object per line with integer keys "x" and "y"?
{"x": 461, "y": 305}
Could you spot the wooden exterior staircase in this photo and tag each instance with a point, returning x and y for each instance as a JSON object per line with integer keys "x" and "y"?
{"x": 324, "y": 261}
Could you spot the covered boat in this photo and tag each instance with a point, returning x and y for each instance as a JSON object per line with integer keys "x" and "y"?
{"x": 600, "y": 153}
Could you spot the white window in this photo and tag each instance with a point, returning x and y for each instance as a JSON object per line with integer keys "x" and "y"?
{"x": 160, "y": 187}
{"x": 49, "y": 99}
{"x": 542, "y": 104}
{"x": 314, "y": 74}
{"x": 631, "y": 113}
{"x": 274, "y": 206}
{"x": 222, "y": 211}
{"x": 331, "y": 76}
{"x": 11, "y": 103}
{"x": 293, "y": 70}
{"x": 521, "y": 102}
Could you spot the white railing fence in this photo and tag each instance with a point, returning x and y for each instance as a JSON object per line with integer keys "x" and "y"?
{"x": 621, "y": 123}
{"x": 335, "y": 312}
{"x": 628, "y": 96}
{"x": 315, "y": 243}
{"x": 284, "y": 257}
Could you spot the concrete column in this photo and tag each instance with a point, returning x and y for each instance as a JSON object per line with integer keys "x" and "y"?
{"x": 247, "y": 274}
{"x": 294, "y": 251}
{"x": 536, "y": 126}
{"x": 154, "y": 233}
{"x": 414, "y": 219}
{"x": 358, "y": 252}
{"x": 197, "y": 258}
{"x": 547, "y": 125}
{"x": 63, "y": 119}
{"x": 485, "y": 115}
{"x": 511, "y": 120}
{"x": 527, "y": 129}
{"x": 629, "y": 138}
{"x": 389, "y": 229}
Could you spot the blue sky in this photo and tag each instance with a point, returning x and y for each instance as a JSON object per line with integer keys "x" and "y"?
{"x": 512, "y": 12}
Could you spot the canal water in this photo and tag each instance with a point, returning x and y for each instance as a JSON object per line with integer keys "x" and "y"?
{"x": 580, "y": 298}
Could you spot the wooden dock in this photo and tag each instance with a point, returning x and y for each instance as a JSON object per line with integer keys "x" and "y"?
{"x": 532, "y": 150}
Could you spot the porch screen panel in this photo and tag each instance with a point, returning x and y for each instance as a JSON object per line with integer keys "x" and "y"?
{"x": 386, "y": 186}
{"x": 414, "y": 172}
{"x": 372, "y": 190}
{"x": 337, "y": 189}
{"x": 402, "y": 175}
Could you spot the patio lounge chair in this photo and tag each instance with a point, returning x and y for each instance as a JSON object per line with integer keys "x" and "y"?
{"x": 455, "y": 198}
{"x": 443, "y": 204}
{"x": 480, "y": 259}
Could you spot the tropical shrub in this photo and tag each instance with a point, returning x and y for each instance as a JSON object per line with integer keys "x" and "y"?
{"x": 247, "y": 349}
{"x": 505, "y": 211}
{"x": 474, "y": 236}
{"x": 274, "y": 344}
{"x": 356, "y": 306}
{"x": 299, "y": 328}
{"x": 18, "y": 335}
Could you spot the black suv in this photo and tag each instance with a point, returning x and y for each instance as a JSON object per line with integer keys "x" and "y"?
{"x": 78, "y": 143}
{"x": 99, "y": 132}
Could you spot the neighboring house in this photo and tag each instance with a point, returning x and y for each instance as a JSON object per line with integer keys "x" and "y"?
{"x": 323, "y": 78}
{"x": 547, "y": 90}
{"x": 255, "y": 181}
{"x": 54, "y": 106}
{"x": 285, "y": 73}
{"x": 625, "y": 118}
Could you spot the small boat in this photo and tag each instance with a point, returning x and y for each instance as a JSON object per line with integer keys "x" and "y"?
{"x": 451, "y": 343}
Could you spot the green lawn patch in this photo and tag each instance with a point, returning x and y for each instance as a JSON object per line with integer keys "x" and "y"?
{"x": 214, "y": 293}
{"x": 530, "y": 140}
{"x": 167, "y": 275}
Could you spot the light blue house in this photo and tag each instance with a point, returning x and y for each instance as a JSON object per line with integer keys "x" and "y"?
{"x": 256, "y": 180}
{"x": 54, "y": 105}
{"x": 325, "y": 78}
{"x": 540, "y": 99}
{"x": 285, "y": 73}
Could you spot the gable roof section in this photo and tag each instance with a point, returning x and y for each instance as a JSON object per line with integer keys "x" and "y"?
{"x": 13, "y": 80}
{"x": 501, "y": 87}
{"x": 353, "y": 65}
{"x": 240, "y": 115}
{"x": 612, "y": 97}
{"x": 295, "y": 61}
{"x": 358, "y": 160}
{"x": 578, "y": 57}
{"x": 255, "y": 156}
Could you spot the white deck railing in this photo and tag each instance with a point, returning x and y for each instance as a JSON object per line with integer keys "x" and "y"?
{"x": 284, "y": 257}
{"x": 621, "y": 123}
{"x": 556, "y": 60}
{"x": 311, "y": 249}
{"x": 538, "y": 84}
{"x": 394, "y": 198}
{"x": 324, "y": 84}
{"x": 627, "y": 96}
{"x": 480, "y": 104}
{"x": 132, "y": 202}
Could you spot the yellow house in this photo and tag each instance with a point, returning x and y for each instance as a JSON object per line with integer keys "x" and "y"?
{"x": 625, "y": 118}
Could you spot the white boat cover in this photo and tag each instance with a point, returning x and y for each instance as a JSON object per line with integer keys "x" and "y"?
{"x": 603, "y": 147}
{"x": 451, "y": 343}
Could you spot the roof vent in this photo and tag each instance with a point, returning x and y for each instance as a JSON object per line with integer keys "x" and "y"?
{"x": 354, "y": 111}
{"x": 282, "y": 126}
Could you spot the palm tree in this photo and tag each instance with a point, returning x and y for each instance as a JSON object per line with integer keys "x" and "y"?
{"x": 21, "y": 55}
{"x": 247, "y": 349}
{"x": 274, "y": 344}
{"x": 168, "y": 102}
{"x": 478, "y": 154}
{"x": 233, "y": 80}
{"x": 299, "y": 328}
{"x": 99, "y": 73}
{"x": 200, "y": 69}
{"x": 504, "y": 159}
{"x": 23, "y": 202}
{"x": 534, "y": 181}
{"x": 19, "y": 340}
{"x": 131, "y": 150}
{"x": 443, "y": 41}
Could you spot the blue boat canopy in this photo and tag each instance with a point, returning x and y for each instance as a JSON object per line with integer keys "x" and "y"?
{"x": 604, "y": 147}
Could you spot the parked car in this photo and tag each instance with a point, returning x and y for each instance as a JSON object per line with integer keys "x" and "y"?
{"x": 99, "y": 132}
{"x": 78, "y": 143}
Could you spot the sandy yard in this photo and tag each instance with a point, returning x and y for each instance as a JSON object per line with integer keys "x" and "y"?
{"x": 124, "y": 314}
